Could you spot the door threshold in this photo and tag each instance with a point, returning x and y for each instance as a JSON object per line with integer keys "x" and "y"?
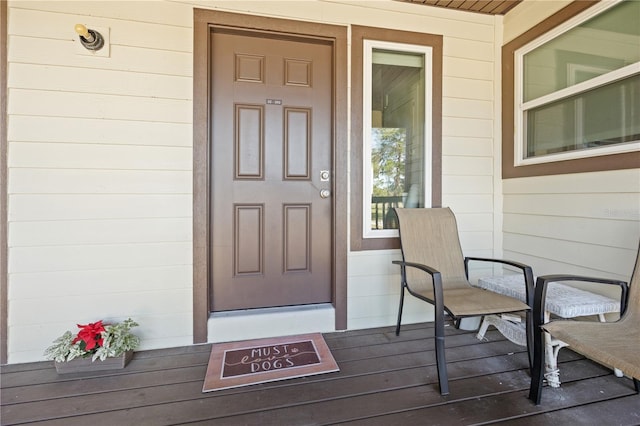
{"x": 263, "y": 311}
{"x": 270, "y": 322}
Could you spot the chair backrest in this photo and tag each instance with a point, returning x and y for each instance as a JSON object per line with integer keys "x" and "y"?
{"x": 430, "y": 237}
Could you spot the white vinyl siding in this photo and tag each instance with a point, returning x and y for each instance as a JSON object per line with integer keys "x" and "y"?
{"x": 100, "y": 160}
{"x": 528, "y": 14}
{"x": 587, "y": 223}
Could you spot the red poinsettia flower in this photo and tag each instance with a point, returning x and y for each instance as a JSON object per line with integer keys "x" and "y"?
{"x": 90, "y": 334}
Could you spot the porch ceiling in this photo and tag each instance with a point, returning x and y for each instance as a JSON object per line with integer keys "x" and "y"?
{"x": 491, "y": 7}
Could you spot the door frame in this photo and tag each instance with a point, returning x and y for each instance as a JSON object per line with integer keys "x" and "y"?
{"x": 204, "y": 22}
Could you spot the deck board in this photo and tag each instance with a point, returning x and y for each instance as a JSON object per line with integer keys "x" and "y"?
{"x": 483, "y": 410}
{"x": 383, "y": 379}
{"x": 617, "y": 411}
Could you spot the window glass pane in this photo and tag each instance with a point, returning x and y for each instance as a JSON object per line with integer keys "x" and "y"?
{"x": 604, "y": 116}
{"x": 397, "y": 134}
{"x": 602, "y": 44}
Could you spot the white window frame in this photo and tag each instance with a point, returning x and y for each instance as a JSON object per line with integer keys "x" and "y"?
{"x": 367, "y": 178}
{"x": 521, "y": 107}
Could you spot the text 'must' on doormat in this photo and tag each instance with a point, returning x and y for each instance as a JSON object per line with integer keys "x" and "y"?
{"x": 250, "y": 362}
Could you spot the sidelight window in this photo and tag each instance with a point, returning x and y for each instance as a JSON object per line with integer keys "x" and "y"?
{"x": 397, "y": 147}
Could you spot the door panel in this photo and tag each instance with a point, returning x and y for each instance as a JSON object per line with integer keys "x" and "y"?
{"x": 271, "y": 139}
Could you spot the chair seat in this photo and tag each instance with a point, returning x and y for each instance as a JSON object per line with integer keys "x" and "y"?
{"x": 622, "y": 348}
{"x": 471, "y": 301}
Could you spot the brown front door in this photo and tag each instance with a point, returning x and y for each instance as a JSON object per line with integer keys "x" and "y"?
{"x": 271, "y": 159}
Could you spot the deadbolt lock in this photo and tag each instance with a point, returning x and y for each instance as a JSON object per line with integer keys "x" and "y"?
{"x": 324, "y": 175}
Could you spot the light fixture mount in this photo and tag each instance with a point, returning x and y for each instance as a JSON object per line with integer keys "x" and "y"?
{"x": 90, "y": 39}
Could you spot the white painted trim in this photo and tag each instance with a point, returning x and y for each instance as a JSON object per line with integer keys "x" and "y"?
{"x": 498, "y": 197}
{"x": 270, "y": 322}
{"x": 578, "y": 88}
{"x": 586, "y": 153}
{"x": 367, "y": 176}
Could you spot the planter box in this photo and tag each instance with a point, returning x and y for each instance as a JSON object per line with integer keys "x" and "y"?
{"x": 84, "y": 365}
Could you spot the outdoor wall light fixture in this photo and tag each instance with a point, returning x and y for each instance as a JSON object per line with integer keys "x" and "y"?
{"x": 90, "y": 39}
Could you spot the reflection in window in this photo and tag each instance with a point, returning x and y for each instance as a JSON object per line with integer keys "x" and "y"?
{"x": 395, "y": 158}
{"x": 608, "y": 115}
{"x": 388, "y": 149}
{"x": 604, "y": 43}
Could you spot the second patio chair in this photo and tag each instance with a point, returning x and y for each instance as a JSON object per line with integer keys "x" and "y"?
{"x": 434, "y": 270}
{"x": 614, "y": 344}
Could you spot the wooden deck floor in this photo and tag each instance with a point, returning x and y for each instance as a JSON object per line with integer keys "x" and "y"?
{"x": 384, "y": 380}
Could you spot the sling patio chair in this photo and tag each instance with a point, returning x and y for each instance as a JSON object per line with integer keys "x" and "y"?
{"x": 434, "y": 270}
{"x": 613, "y": 344}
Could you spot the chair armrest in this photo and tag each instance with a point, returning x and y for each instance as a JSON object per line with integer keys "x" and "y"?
{"x": 526, "y": 271}
{"x": 543, "y": 282}
{"x": 428, "y": 269}
{"x": 506, "y": 262}
{"x": 436, "y": 279}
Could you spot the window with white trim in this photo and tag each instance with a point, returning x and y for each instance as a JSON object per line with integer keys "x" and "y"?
{"x": 396, "y": 132}
{"x": 578, "y": 87}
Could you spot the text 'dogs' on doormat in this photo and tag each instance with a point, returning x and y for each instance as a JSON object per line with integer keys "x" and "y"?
{"x": 250, "y": 362}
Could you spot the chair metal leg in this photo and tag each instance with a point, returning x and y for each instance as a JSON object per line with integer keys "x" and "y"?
{"x": 441, "y": 361}
{"x": 530, "y": 345}
{"x": 400, "y": 310}
{"x": 537, "y": 373}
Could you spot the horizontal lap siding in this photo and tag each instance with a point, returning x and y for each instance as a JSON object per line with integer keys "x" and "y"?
{"x": 527, "y": 14}
{"x": 585, "y": 223}
{"x": 100, "y": 172}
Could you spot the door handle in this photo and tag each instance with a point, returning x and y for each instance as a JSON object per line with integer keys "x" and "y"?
{"x": 324, "y": 193}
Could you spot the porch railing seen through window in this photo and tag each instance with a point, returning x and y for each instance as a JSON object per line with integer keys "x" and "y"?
{"x": 382, "y": 215}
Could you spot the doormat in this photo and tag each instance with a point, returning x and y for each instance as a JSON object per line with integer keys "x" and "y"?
{"x": 251, "y": 362}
